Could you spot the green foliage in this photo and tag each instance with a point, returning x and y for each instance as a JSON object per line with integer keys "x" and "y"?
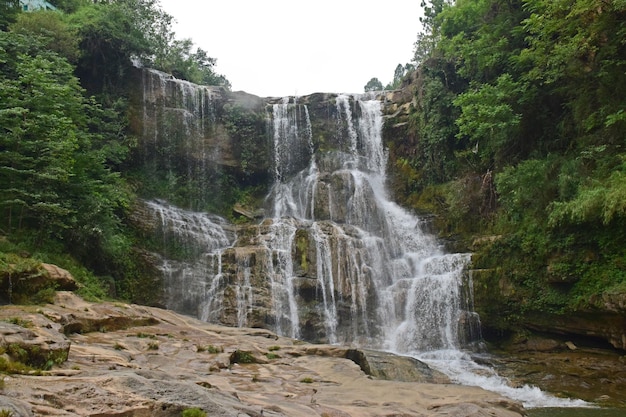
{"x": 373, "y": 85}
{"x": 9, "y": 10}
{"x": 194, "y": 412}
{"x": 20, "y": 322}
{"x": 113, "y": 35}
{"x": 398, "y": 76}
{"x": 251, "y": 148}
{"x": 487, "y": 117}
{"x": 598, "y": 201}
{"x": 180, "y": 60}
{"x": 242, "y": 356}
{"x": 53, "y": 30}
{"x": 531, "y": 94}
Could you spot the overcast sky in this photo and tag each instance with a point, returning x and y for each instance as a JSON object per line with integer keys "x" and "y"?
{"x": 295, "y": 47}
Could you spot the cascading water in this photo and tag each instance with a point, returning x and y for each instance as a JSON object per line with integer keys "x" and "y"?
{"x": 177, "y": 124}
{"x": 191, "y": 263}
{"x": 380, "y": 280}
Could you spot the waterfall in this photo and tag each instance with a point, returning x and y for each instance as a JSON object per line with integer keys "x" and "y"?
{"x": 178, "y": 118}
{"x": 380, "y": 281}
{"x": 193, "y": 244}
{"x": 335, "y": 260}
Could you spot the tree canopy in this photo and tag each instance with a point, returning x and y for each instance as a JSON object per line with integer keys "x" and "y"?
{"x": 527, "y": 99}
{"x": 63, "y": 127}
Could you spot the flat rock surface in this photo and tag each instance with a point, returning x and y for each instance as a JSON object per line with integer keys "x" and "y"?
{"x": 175, "y": 362}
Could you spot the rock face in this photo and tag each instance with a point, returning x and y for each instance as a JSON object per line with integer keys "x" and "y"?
{"x": 152, "y": 362}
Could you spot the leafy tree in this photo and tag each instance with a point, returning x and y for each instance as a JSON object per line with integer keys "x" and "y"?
{"x": 427, "y": 39}
{"x": 9, "y": 9}
{"x": 40, "y": 98}
{"x": 179, "y": 60}
{"x": 116, "y": 35}
{"x": 488, "y": 118}
{"x": 398, "y": 75}
{"x": 373, "y": 85}
{"x": 52, "y": 27}
{"x": 58, "y": 150}
{"x": 576, "y": 50}
{"x": 532, "y": 93}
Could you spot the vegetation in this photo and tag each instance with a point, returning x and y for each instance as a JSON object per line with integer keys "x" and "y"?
{"x": 373, "y": 85}
{"x": 518, "y": 135}
{"x": 242, "y": 356}
{"x": 64, "y": 140}
{"x": 194, "y": 412}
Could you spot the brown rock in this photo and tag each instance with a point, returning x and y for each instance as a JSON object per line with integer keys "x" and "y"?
{"x": 62, "y": 279}
{"x": 158, "y": 370}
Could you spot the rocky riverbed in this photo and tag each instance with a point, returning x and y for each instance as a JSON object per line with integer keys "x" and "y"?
{"x": 113, "y": 359}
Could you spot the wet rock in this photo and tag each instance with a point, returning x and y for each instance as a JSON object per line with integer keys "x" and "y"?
{"x": 17, "y": 407}
{"x": 387, "y": 366}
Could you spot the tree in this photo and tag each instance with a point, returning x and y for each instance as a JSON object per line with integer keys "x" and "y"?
{"x": 40, "y": 100}
{"x": 398, "y": 75}
{"x": 57, "y": 152}
{"x": 373, "y": 85}
{"x": 428, "y": 37}
{"x": 52, "y": 27}
{"x": 9, "y": 10}
{"x": 112, "y": 35}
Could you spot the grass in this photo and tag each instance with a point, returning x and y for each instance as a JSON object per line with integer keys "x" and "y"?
{"x": 193, "y": 412}
{"x": 242, "y": 356}
{"x": 210, "y": 349}
{"x": 20, "y": 322}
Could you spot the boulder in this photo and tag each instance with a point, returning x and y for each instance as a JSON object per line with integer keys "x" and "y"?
{"x": 60, "y": 278}
{"x": 391, "y": 367}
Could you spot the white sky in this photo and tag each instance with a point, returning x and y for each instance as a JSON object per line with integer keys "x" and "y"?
{"x": 282, "y": 47}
